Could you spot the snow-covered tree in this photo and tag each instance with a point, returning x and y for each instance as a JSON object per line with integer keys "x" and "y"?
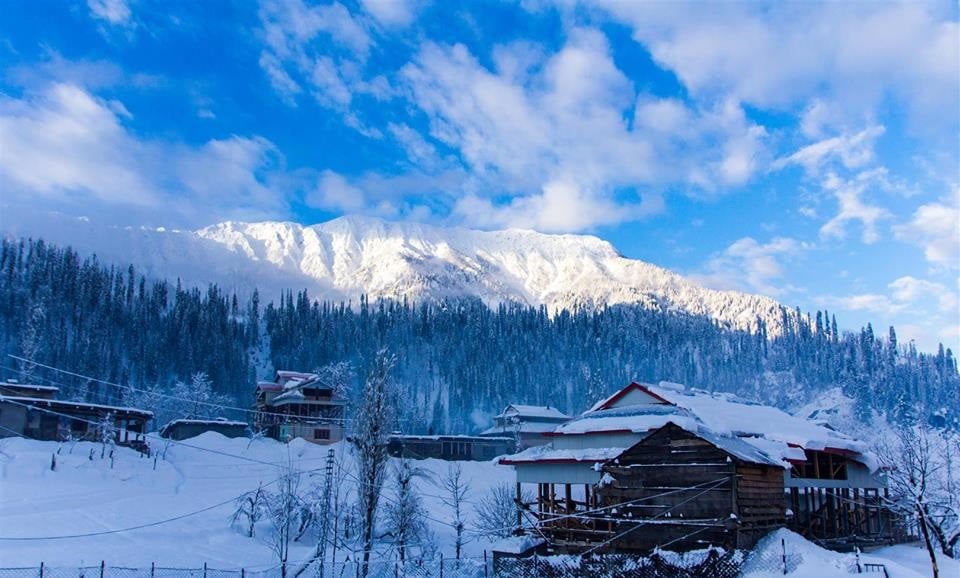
{"x": 405, "y": 514}
{"x": 197, "y": 400}
{"x": 250, "y": 508}
{"x": 917, "y": 461}
{"x": 374, "y": 422}
{"x": 456, "y": 487}
{"x": 496, "y": 512}
{"x": 284, "y": 510}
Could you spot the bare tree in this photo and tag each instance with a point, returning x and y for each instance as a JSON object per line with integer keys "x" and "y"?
{"x": 918, "y": 478}
{"x": 495, "y": 513}
{"x": 405, "y": 514}
{"x": 456, "y": 488}
{"x": 284, "y": 508}
{"x": 373, "y": 425}
{"x": 250, "y": 509}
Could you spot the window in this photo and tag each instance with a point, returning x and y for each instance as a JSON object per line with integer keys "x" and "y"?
{"x": 321, "y": 434}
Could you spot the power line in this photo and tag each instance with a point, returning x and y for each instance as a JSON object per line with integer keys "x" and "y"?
{"x": 120, "y": 530}
{"x": 145, "y": 391}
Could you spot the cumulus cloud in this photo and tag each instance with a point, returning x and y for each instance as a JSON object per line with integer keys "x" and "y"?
{"x": 555, "y": 130}
{"x": 63, "y": 145}
{"x": 749, "y": 265}
{"x": 936, "y": 228}
{"x": 322, "y": 50}
{"x": 850, "y": 55}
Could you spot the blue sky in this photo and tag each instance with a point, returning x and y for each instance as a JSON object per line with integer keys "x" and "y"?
{"x": 804, "y": 151}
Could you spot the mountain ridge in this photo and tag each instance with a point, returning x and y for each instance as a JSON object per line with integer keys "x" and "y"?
{"x": 350, "y": 256}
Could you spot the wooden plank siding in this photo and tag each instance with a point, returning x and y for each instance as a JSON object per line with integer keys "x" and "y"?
{"x": 679, "y": 489}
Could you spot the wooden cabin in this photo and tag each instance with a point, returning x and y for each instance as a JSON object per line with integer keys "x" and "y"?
{"x": 450, "y": 447}
{"x": 47, "y": 419}
{"x": 828, "y": 486}
{"x": 299, "y": 405}
{"x": 682, "y": 490}
{"x": 181, "y": 429}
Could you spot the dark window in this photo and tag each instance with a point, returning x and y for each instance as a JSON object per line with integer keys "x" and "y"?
{"x": 321, "y": 434}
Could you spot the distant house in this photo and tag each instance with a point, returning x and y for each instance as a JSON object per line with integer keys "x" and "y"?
{"x": 450, "y": 447}
{"x": 299, "y": 405}
{"x": 643, "y": 460}
{"x": 32, "y": 411}
{"x": 527, "y": 424}
{"x": 181, "y": 429}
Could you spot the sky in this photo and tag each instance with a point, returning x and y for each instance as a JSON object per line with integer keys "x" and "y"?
{"x": 805, "y": 151}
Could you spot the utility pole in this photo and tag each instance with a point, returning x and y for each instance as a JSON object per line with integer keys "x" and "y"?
{"x": 325, "y": 521}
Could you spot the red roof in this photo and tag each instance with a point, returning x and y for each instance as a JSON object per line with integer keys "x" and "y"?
{"x": 623, "y": 392}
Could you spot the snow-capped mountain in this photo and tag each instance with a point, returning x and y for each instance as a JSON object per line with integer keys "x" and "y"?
{"x": 349, "y": 256}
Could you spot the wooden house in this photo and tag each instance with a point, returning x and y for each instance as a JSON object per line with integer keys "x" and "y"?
{"x": 181, "y": 429}
{"x": 582, "y": 469}
{"x": 38, "y": 415}
{"x": 452, "y": 448}
{"x": 299, "y": 405}
{"x": 527, "y": 424}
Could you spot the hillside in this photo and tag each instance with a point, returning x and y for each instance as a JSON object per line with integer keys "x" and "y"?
{"x": 352, "y": 256}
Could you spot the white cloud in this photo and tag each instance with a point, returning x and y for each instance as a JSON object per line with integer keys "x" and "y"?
{"x": 391, "y": 12}
{"x": 562, "y": 206}
{"x": 749, "y": 265}
{"x": 322, "y": 47}
{"x": 853, "y": 207}
{"x": 922, "y": 293}
{"x": 853, "y": 151}
{"x": 115, "y": 12}
{"x": 936, "y": 228}
{"x": 334, "y": 192}
{"x": 63, "y": 145}
{"x": 850, "y": 56}
{"x": 555, "y": 130}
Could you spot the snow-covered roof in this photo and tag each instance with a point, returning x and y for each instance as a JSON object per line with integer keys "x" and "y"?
{"x": 448, "y": 437}
{"x": 517, "y": 544}
{"x": 547, "y": 454}
{"x": 634, "y": 419}
{"x": 202, "y": 422}
{"x": 54, "y": 404}
{"x": 773, "y": 431}
{"x": 28, "y": 386}
{"x": 524, "y": 427}
{"x": 533, "y": 411}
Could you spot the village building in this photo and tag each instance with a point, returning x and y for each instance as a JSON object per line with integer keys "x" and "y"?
{"x": 450, "y": 447}
{"x": 32, "y": 411}
{"x": 663, "y": 465}
{"x": 181, "y": 429}
{"x": 526, "y": 424}
{"x": 299, "y": 405}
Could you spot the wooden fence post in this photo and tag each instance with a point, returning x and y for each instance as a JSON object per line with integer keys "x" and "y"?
{"x": 41, "y": 569}
{"x": 204, "y": 570}
{"x": 485, "y": 575}
{"x": 153, "y": 568}
{"x": 103, "y": 566}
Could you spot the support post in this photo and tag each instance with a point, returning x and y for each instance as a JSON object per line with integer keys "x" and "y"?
{"x": 103, "y": 566}
{"x": 41, "y": 569}
{"x": 153, "y": 568}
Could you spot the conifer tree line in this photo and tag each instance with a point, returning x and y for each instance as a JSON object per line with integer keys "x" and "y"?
{"x": 458, "y": 362}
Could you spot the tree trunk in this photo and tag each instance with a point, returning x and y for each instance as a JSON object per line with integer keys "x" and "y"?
{"x": 927, "y": 542}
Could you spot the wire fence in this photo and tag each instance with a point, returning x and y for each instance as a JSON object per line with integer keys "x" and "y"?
{"x": 709, "y": 563}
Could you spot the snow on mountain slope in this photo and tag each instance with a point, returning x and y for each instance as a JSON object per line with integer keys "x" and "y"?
{"x": 349, "y": 256}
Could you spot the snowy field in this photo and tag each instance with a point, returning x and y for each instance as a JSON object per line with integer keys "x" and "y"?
{"x": 84, "y": 496}
{"x": 198, "y": 480}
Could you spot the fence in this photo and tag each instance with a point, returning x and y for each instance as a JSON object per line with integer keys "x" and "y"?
{"x": 711, "y": 563}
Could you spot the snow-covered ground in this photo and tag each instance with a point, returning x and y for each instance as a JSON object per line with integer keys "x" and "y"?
{"x": 84, "y": 496}
{"x": 206, "y": 473}
{"x": 807, "y": 560}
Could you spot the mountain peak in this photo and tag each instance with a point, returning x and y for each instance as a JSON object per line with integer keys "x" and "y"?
{"x": 354, "y": 255}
